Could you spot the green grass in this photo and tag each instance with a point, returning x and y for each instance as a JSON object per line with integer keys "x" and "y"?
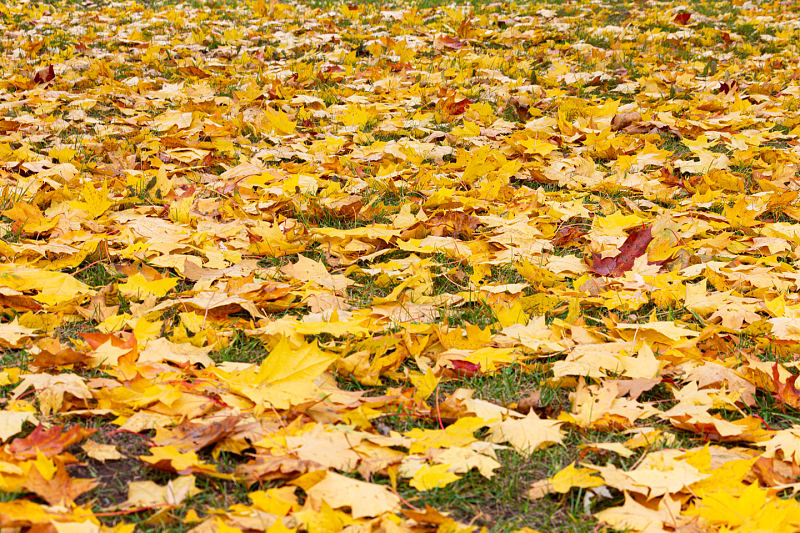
{"x": 14, "y": 358}
{"x": 96, "y": 274}
{"x": 510, "y": 384}
{"x": 364, "y": 290}
{"x": 477, "y": 313}
{"x": 509, "y": 508}
{"x": 241, "y": 349}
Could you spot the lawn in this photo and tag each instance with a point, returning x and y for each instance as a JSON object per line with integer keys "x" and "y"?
{"x": 409, "y": 267}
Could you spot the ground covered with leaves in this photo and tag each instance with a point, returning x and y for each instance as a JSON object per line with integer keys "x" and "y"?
{"x": 411, "y": 267}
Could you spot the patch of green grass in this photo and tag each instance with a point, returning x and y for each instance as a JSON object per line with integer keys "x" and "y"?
{"x": 673, "y": 143}
{"x": 775, "y": 413}
{"x": 12, "y": 235}
{"x": 362, "y": 293}
{"x": 450, "y": 278}
{"x": 507, "y": 273}
{"x": 313, "y": 215}
{"x": 509, "y": 507}
{"x": 241, "y": 349}
{"x": 96, "y": 274}
{"x": 402, "y": 421}
{"x": 477, "y": 313}
{"x": 11, "y": 496}
{"x": 14, "y": 358}
{"x": 71, "y": 330}
{"x": 215, "y": 494}
{"x": 510, "y": 384}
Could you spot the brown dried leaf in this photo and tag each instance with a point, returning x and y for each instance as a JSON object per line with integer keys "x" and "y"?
{"x": 623, "y": 120}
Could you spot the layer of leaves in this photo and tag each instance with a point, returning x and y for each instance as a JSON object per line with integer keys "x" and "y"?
{"x": 276, "y": 266}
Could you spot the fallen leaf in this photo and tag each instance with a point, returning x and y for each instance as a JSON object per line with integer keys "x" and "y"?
{"x": 623, "y": 120}
{"x": 49, "y": 442}
{"x": 633, "y": 515}
{"x": 61, "y": 489}
{"x": 149, "y": 494}
{"x": 364, "y": 499}
{"x": 634, "y": 246}
{"x": 44, "y": 75}
{"x": 11, "y": 423}
{"x": 432, "y": 477}
{"x": 527, "y": 434}
{"x": 101, "y": 452}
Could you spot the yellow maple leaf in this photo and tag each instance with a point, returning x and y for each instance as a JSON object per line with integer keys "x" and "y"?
{"x": 148, "y": 493}
{"x": 101, "y": 452}
{"x": 536, "y": 146}
{"x": 53, "y": 288}
{"x": 137, "y": 286}
{"x": 45, "y": 465}
{"x": 28, "y": 218}
{"x": 364, "y": 499}
{"x": 170, "y": 458}
{"x": 757, "y": 509}
{"x": 95, "y": 202}
{"x": 432, "y": 477}
{"x": 528, "y": 434}
{"x": 279, "y": 122}
{"x": 634, "y": 516}
{"x": 425, "y": 383}
{"x": 460, "y": 433}
{"x": 286, "y": 375}
{"x": 569, "y": 477}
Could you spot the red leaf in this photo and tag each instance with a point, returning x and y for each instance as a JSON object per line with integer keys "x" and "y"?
{"x": 95, "y": 340}
{"x": 460, "y": 106}
{"x": 44, "y": 75}
{"x": 568, "y": 234}
{"x": 188, "y": 436}
{"x": 49, "y": 441}
{"x": 682, "y": 18}
{"x": 634, "y": 246}
{"x": 726, "y": 87}
{"x": 465, "y": 368}
{"x": 442, "y": 42}
{"x": 786, "y": 392}
{"x": 449, "y": 106}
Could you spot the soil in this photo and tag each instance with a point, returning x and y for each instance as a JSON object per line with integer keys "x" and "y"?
{"x": 113, "y": 476}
